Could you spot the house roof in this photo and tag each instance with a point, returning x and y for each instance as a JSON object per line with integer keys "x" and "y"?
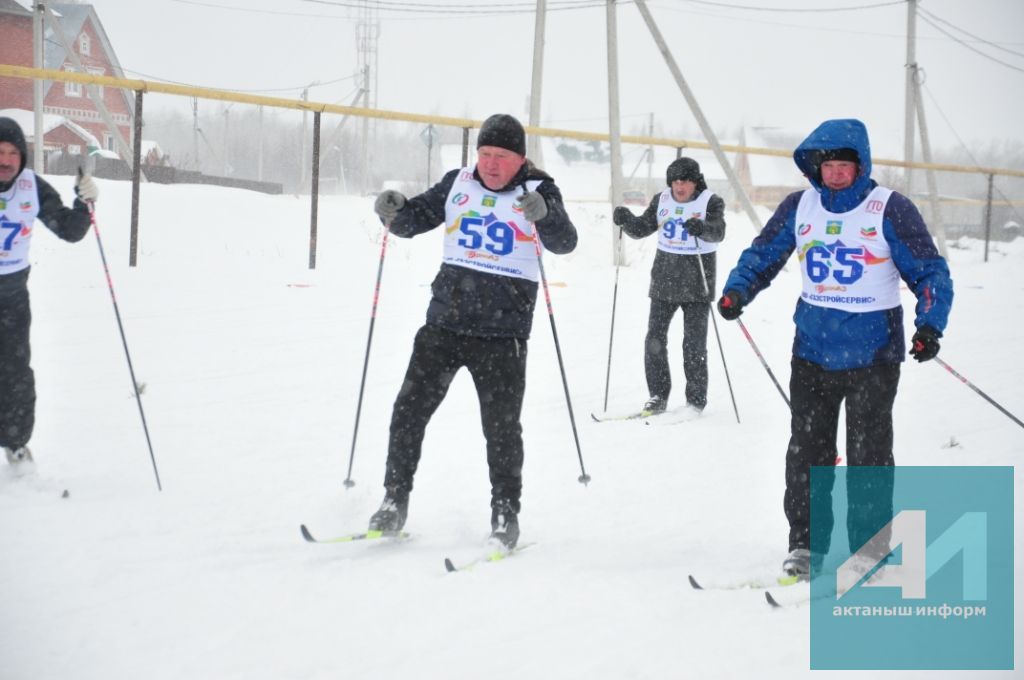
{"x": 72, "y": 18}
{"x": 11, "y": 7}
{"x": 26, "y": 121}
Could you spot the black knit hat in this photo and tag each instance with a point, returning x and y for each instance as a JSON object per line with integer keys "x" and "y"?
{"x": 503, "y": 131}
{"x": 11, "y": 133}
{"x": 685, "y": 169}
{"x": 843, "y": 154}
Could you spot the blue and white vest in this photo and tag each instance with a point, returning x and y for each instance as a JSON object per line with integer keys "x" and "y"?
{"x": 19, "y": 206}
{"x": 845, "y": 261}
{"x": 486, "y": 230}
{"x": 672, "y": 215}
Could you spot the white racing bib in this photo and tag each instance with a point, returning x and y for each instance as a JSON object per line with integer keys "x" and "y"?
{"x": 672, "y": 216}
{"x": 845, "y": 261}
{"x": 486, "y": 230}
{"x": 18, "y": 210}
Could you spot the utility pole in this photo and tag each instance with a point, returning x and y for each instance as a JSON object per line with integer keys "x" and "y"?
{"x": 909, "y": 97}
{"x": 614, "y": 132}
{"x": 650, "y": 154}
{"x": 533, "y": 148}
{"x": 709, "y": 134}
{"x": 259, "y": 156}
{"x": 195, "y": 133}
{"x": 302, "y": 146}
{"x": 367, "y": 35}
{"x": 37, "y": 88}
{"x": 935, "y": 226}
{"x": 227, "y": 139}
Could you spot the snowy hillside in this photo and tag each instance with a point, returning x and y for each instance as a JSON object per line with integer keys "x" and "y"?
{"x": 251, "y": 365}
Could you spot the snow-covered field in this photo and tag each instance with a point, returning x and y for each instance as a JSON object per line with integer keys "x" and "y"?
{"x": 251, "y": 364}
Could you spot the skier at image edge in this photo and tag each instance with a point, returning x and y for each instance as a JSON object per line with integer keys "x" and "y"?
{"x": 690, "y": 220}
{"x": 481, "y": 311}
{"x": 24, "y": 198}
{"x": 849, "y": 331}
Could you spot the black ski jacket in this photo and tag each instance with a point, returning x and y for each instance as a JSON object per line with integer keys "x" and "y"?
{"x": 70, "y": 224}
{"x": 481, "y": 304}
{"x": 676, "y": 278}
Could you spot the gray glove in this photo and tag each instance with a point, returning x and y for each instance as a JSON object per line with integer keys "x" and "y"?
{"x": 535, "y": 208}
{"x": 388, "y": 204}
{"x": 86, "y": 189}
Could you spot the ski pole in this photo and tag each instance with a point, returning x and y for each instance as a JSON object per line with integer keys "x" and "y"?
{"x": 763, "y": 362}
{"x": 978, "y": 391}
{"x": 707, "y": 293}
{"x": 584, "y": 478}
{"x": 611, "y": 333}
{"x": 366, "y": 359}
{"x": 124, "y": 341}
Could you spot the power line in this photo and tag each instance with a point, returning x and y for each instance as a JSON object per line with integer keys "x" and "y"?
{"x": 965, "y": 44}
{"x": 252, "y": 10}
{"x": 814, "y": 10}
{"x": 465, "y": 9}
{"x": 922, "y": 11}
{"x": 967, "y": 149}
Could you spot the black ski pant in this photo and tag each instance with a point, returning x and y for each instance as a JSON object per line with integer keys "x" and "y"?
{"x": 816, "y": 396}
{"x": 498, "y": 368}
{"x": 17, "y": 382}
{"x": 695, "y": 350}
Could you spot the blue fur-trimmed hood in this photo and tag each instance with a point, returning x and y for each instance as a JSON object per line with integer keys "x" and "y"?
{"x": 845, "y": 133}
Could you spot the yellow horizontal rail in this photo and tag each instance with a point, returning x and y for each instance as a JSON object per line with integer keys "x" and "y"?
{"x": 382, "y": 114}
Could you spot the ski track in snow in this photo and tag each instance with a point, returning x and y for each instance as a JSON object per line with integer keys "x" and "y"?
{"x": 251, "y": 363}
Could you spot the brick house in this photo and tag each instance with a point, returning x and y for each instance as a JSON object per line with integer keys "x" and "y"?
{"x": 83, "y": 29}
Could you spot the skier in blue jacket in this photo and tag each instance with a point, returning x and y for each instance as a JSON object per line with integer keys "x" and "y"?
{"x": 855, "y": 240}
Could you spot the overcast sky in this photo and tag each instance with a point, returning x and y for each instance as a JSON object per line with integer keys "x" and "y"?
{"x": 787, "y": 68}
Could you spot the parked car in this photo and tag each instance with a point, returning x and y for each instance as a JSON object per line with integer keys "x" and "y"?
{"x": 634, "y": 198}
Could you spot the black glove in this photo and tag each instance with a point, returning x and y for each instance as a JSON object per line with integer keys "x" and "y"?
{"x": 622, "y": 215}
{"x": 925, "y": 343}
{"x": 388, "y": 204}
{"x": 535, "y": 208}
{"x": 695, "y": 226}
{"x": 729, "y": 305}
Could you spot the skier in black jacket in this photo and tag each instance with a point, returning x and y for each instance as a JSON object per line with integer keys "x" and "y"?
{"x": 690, "y": 220}
{"x": 481, "y": 311}
{"x": 24, "y": 198}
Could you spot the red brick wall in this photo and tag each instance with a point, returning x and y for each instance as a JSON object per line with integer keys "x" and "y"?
{"x": 15, "y": 49}
{"x": 87, "y": 116}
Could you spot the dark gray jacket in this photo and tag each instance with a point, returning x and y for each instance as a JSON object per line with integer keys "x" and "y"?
{"x": 481, "y": 304}
{"x": 676, "y": 278}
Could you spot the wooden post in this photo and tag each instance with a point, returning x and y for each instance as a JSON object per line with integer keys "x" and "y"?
{"x": 314, "y": 190}
{"x": 133, "y": 247}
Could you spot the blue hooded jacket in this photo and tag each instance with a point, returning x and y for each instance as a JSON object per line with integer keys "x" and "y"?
{"x": 833, "y": 338}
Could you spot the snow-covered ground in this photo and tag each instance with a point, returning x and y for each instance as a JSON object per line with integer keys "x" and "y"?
{"x": 251, "y": 365}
